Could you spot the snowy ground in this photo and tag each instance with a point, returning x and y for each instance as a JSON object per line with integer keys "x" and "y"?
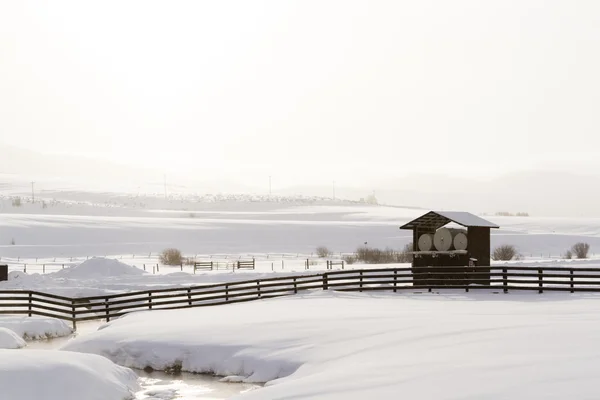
{"x": 54, "y": 375}
{"x": 35, "y": 327}
{"x": 343, "y": 346}
{"x": 247, "y": 229}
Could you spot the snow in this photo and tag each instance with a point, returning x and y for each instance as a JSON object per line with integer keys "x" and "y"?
{"x": 98, "y": 268}
{"x": 329, "y": 345}
{"x": 35, "y": 327}
{"x": 466, "y": 219}
{"x": 10, "y": 340}
{"x": 254, "y": 228}
{"x": 61, "y": 375}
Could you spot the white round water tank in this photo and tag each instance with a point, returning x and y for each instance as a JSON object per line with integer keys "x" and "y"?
{"x": 460, "y": 241}
{"x": 442, "y": 240}
{"x": 425, "y": 242}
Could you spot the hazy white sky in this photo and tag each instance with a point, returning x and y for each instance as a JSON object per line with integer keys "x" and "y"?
{"x": 305, "y": 90}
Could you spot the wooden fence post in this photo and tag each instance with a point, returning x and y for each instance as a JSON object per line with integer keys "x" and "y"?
{"x": 30, "y": 303}
{"x": 258, "y": 287}
{"x": 361, "y": 282}
{"x": 181, "y": 267}
{"x": 226, "y": 292}
{"x": 572, "y": 283}
{"x": 107, "y": 311}
{"x": 429, "y": 279}
{"x": 342, "y": 264}
{"x": 541, "y": 281}
{"x": 25, "y": 268}
{"x": 73, "y": 314}
{"x": 157, "y": 268}
{"x": 395, "y": 279}
{"x": 325, "y": 283}
{"x": 43, "y": 268}
{"x": 189, "y": 291}
{"x": 505, "y": 279}
{"x": 295, "y": 287}
{"x": 150, "y": 300}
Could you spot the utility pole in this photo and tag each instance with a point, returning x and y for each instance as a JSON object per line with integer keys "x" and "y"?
{"x": 333, "y": 187}
{"x": 32, "y": 192}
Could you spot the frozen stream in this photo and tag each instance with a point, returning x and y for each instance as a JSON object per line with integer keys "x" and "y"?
{"x": 158, "y": 385}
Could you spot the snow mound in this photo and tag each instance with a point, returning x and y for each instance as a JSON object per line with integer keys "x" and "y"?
{"x": 99, "y": 268}
{"x": 53, "y": 375}
{"x": 10, "y": 340}
{"x": 35, "y": 327}
{"x": 331, "y": 346}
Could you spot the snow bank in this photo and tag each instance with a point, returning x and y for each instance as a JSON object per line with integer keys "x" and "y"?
{"x": 97, "y": 268}
{"x": 54, "y": 375}
{"x": 35, "y": 327}
{"x": 337, "y": 346}
{"x": 10, "y": 340}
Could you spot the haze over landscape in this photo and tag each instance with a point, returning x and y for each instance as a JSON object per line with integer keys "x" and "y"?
{"x": 400, "y": 98}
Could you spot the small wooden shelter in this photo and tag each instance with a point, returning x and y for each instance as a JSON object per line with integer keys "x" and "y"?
{"x": 436, "y": 248}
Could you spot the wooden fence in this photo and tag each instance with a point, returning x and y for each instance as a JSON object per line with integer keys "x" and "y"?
{"x": 500, "y": 279}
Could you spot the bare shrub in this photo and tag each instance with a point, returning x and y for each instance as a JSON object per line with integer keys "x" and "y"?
{"x": 189, "y": 261}
{"x": 581, "y": 249}
{"x": 171, "y": 257}
{"x": 349, "y": 259}
{"x": 504, "y": 253}
{"x": 569, "y": 254}
{"x": 323, "y": 252}
{"x": 371, "y": 255}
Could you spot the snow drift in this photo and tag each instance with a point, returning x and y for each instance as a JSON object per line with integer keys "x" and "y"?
{"x": 95, "y": 268}
{"x": 54, "y": 375}
{"x": 10, "y": 340}
{"x": 340, "y": 346}
{"x": 35, "y": 327}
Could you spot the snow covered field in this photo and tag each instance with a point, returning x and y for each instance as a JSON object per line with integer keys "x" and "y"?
{"x": 328, "y": 345}
{"x": 318, "y": 345}
{"x": 244, "y": 229}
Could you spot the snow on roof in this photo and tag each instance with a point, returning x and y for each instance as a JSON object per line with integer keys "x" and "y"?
{"x": 437, "y": 219}
{"x": 466, "y": 219}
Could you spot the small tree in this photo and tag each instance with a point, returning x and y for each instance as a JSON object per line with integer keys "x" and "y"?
{"x": 171, "y": 257}
{"x": 581, "y": 250}
{"x": 323, "y": 252}
{"x": 504, "y": 253}
{"x": 349, "y": 259}
{"x": 569, "y": 254}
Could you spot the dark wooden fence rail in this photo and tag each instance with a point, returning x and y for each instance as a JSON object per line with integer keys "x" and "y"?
{"x": 501, "y": 279}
